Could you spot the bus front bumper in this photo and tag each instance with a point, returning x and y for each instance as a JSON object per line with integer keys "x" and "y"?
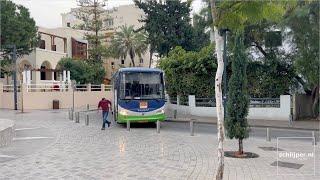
{"x": 141, "y": 119}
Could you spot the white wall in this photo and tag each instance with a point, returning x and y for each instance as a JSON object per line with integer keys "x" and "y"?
{"x": 43, "y": 100}
{"x": 279, "y": 114}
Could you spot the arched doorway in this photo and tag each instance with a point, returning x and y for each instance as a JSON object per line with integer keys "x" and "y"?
{"x": 46, "y": 71}
{"x": 58, "y": 73}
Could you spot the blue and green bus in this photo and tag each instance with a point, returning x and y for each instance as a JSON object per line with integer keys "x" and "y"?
{"x": 138, "y": 95}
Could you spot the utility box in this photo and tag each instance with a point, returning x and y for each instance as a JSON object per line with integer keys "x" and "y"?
{"x": 55, "y": 104}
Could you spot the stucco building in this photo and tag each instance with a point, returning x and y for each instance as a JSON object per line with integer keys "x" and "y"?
{"x": 43, "y": 61}
{"x": 112, "y": 20}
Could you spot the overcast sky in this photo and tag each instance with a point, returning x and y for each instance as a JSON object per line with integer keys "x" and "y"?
{"x": 47, "y": 13}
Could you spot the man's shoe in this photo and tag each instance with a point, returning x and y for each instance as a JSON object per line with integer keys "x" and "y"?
{"x": 102, "y": 128}
{"x": 109, "y": 124}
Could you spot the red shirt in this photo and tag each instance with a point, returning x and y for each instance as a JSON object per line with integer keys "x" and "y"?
{"x": 104, "y": 104}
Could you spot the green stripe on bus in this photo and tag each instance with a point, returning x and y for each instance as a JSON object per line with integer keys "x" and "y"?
{"x": 150, "y": 118}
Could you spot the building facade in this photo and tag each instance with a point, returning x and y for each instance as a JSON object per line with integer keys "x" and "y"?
{"x": 42, "y": 62}
{"x": 113, "y": 19}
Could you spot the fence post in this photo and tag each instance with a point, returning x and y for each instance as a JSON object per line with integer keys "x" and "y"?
{"x": 103, "y": 88}
{"x": 87, "y": 119}
{"x": 178, "y": 100}
{"x": 191, "y": 127}
{"x": 77, "y": 117}
{"x": 158, "y": 126}
{"x": 268, "y": 134}
{"x": 89, "y": 87}
{"x": 192, "y": 100}
{"x": 314, "y": 140}
{"x": 128, "y": 125}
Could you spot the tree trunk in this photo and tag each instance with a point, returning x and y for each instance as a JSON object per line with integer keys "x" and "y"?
{"x": 218, "y": 93}
{"x": 132, "y": 58}
{"x": 240, "y": 147}
{"x": 150, "y": 60}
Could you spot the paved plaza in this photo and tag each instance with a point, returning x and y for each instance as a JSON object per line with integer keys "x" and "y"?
{"x": 48, "y": 145}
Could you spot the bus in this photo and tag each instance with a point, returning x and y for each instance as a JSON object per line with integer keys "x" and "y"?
{"x": 139, "y": 95}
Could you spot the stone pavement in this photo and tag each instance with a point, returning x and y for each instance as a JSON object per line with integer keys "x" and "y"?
{"x": 299, "y": 124}
{"x": 49, "y": 146}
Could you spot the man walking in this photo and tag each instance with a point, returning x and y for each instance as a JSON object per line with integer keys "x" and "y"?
{"x": 105, "y": 105}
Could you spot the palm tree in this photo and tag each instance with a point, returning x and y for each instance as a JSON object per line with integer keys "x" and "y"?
{"x": 128, "y": 42}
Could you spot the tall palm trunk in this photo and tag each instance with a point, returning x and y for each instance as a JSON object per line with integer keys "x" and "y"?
{"x": 218, "y": 93}
{"x": 132, "y": 57}
{"x": 150, "y": 58}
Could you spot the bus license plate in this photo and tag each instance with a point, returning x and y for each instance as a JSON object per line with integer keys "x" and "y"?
{"x": 143, "y": 104}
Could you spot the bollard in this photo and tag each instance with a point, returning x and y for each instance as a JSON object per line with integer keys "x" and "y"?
{"x": 87, "y": 119}
{"x": 175, "y": 114}
{"x": 314, "y": 139}
{"x": 71, "y": 113}
{"x": 191, "y": 127}
{"x": 77, "y": 117}
{"x": 128, "y": 125}
{"x": 158, "y": 126}
{"x": 268, "y": 135}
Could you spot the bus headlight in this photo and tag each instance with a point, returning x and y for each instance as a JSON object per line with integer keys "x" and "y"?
{"x": 124, "y": 112}
{"x": 160, "y": 111}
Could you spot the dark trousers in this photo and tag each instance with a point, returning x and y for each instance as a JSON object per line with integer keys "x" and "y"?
{"x": 105, "y": 118}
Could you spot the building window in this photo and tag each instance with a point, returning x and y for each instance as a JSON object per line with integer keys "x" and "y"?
{"x": 79, "y": 49}
{"x": 122, "y": 61}
{"x": 42, "y": 44}
{"x": 68, "y": 24}
{"x": 108, "y": 22}
{"x": 112, "y": 65}
{"x": 141, "y": 61}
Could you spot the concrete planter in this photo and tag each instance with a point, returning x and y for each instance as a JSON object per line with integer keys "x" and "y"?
{"x": 6, "y": 132}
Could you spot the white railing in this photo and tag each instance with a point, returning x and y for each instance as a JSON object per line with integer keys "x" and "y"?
{"x": 10, "y": 88}
{"x": 51, "y": 82}
{"x": 47, "y": 87}
{"x": 55, "y": 86}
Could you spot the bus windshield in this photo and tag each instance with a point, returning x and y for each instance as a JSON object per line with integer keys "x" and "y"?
{"x": 137, "y": 85}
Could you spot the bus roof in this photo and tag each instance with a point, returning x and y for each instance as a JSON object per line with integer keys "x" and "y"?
{"x": 139, "y": 69}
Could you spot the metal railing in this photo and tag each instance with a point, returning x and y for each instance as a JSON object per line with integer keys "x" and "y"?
{"x": 205, "y": 102}
{"x": 265, "y": 102}
{"x": 254, "y": 102}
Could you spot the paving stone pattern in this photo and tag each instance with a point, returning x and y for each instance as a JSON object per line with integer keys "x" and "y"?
{"x": 76, "y": 151}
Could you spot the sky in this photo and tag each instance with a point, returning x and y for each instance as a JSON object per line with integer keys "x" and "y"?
{"x": 47, "y": 13}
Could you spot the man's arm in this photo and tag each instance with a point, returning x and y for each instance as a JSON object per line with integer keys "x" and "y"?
{"x": 110, "y": 105}
{"x": 99, "y": 105}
